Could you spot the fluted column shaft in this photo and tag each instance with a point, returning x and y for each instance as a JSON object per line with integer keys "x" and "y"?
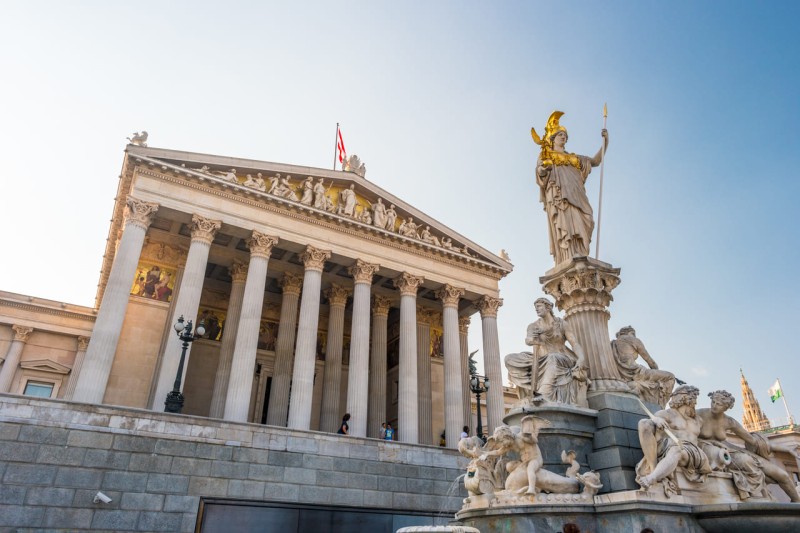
{"x": 278, "y": 408}
{"x": 408, "y": 395}
{"x": 243, "y": 362}
{"x": 495, "y": 405}
{"x": 21, "y": 334}
{"x": 332, "y": 375}
{"x": 463, "y": 345}
{"x": 186, "y": 304}
{"x": 83, "y": 343}
{"x": 358, "y": 373}
{"x": 303, "y": 374}
{"x": 377, "y": 364}
{"x": 425, "y": 403}
{"x": 453, "y": 397}
{"x": 238, "y": 274}
{"x": 92, "y": 381}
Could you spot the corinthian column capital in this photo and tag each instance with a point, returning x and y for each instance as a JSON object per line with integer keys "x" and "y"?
{"x": 450, "y": 295}
{"x": 204, "y": 229}
{"x": 381, "y": 305}
{"x": 139, "y": 213}
{"x": 83, "y": 343}
{"x": 291, "y": 284}
{"x": 261, "y": 244}
{"x": 488, "y": 306}
{"x": 408, "y": 283}
{"x": 314, "y": 258}
{"x": 238, "y": 272}
{"x": 337, "y": 295}
{"x": 21, "y": 333}
{"x": 362, "y": 271}
{"x": 463, "y": 324}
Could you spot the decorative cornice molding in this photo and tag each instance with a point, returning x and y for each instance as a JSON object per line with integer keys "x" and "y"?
{"x": 21, "y": 333}
{"x": 337, "y": 295}
{"x": 139, "y": 213}
{"x": 204, "y": 229}
{"x": 314, "y": 258}
{"x": 291, "y": 284}
{"x": 449, "y": 295}
{"x": 381, "y": 305}
{"x": 408, "y": 283}
{"x": 261, "y": 244}
{"x": 488, "y": 306}
{"x": 238, "y": 272}
{"x": 47, "y": 310}
{"x": 362, "y": 271}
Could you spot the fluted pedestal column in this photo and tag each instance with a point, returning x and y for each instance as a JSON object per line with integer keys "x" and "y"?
{"x": 463, "y": 345}
{"x": 453, "y": 396}
{"x": 83, "y": 343}
{"x": 582, "y": 290}
{"x": 407, "y": 397}
{"x": 278, "y": 408}
{"x": 303, "y": 374}
{"x": 424, "y": 401}
{"x": 332, "y": 375}
{"x": 377, "y": 363}
{"x": 495, "y": 405}
{"x": 21, "y": 334}
{"x": 238, "y": 273}
{"x": 243, "y": 362}
{"x": 186, "y": 304}
{"x": 358, "y": 376}
{"x": 92, "y": 381}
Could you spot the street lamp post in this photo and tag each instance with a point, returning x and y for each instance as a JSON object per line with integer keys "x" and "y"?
{"x": 174, "y": 401}
{"x": 479, "y": 385}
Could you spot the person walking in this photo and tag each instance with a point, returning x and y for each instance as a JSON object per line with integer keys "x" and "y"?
{"x": 344, "y": 429}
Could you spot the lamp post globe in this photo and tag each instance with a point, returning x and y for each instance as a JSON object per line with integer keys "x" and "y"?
{"x": 174, "y": 401}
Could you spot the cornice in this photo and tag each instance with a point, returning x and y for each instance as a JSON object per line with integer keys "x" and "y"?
{"x": 47, "y": 310}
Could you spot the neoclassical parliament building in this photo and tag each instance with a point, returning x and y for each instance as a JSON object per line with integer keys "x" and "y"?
{"x": 319, "y": 292}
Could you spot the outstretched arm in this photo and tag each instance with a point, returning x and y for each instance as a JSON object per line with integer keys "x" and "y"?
{"x": 645, "y": 355}
{"x": 598, "y": 157}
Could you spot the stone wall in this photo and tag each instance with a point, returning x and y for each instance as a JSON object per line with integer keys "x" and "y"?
{"x": 56, "y": 455}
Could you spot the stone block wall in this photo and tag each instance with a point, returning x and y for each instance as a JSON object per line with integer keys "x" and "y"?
{"x": 56, "y": 455}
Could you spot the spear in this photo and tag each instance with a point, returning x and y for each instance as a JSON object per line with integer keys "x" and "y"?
{"x": 600, "y": 201}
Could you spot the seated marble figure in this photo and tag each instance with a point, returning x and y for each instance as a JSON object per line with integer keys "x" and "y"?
{"x": 651, "y": 384}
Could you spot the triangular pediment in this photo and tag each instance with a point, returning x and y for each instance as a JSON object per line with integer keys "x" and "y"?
{"x": 45, "y": 365}
{"x": 344, "y": 197}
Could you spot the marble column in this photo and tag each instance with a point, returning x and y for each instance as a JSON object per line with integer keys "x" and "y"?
{"x": 187, "y": 303}
{"x": 238, "y": 272}
{"x": 332, "y": 374}
{"x": 408, "y": 395}
{"x": 305, "y": 351}
{"x": 21, "y": 335}
{"x": 463, "y": 346}
{"x": 243, "y": 362}
{"x": 582, "y": 289}
{"x": 453, "y": 398}
{"x": 83, "y": 343}
{"x": 424, "y": 401}
{"x": 358, "y": 372}
{"x": 377, "y": 366}
{"x": 92, "y": 381}
{"x": 492, "y": 366}
{"x": 278, "y": 407}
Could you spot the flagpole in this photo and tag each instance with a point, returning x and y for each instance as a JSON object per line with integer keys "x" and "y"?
{"x": 335, "y": 145}
{"x": 785, "y": 405}
{"x": 600, "y": 201}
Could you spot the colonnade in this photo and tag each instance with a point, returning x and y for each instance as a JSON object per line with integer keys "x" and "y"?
{"x": 290, "y": 399}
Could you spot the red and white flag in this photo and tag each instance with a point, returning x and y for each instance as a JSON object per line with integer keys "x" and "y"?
{"x": 340, "y": 147}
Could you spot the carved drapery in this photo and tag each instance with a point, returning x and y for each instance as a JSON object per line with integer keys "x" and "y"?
{"x": 408, "y": 283}
{"x": 261, "y": 244}
{"x": 204, "y": 229}
{"x": 314, "y": 258}
{"x": 489, "y": 305}
{"x": 139, "y": 213}
{"x": 362, "y": 271}
{"x": 450, "y": 295}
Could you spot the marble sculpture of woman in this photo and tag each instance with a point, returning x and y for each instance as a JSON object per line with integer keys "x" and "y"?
{"x": 552, "y": 372}
{"x": 561, "y": 177}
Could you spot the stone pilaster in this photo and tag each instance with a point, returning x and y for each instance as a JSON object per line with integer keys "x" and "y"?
{"x": 377, "y": 363}
{"x": 21, "y": 335}
{"x": 453, "y": 397}
{"x": 278, "y": 408}
{"x": 407, "y": 402}
{"x": 492, "y": 366}
{"x": 92, "y": 381}
{"x": 358, "y": 372}
{"x": 424, "y": 401}
{"x": 80, "y": 354}
{"x": 332, "y": 375}
{"x": 243, "y": 362}
{"x": 582, "y": 290}
{"x": 463, "y": 345}
{"x": 187, "y": 303}
{"x": 238, "y": 272}
{"x": 303, "y": 374}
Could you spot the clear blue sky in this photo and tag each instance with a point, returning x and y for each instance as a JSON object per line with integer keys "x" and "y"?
{"x": 438, "y": 98}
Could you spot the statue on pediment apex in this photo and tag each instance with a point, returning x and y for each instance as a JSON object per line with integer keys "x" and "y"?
{"x": 353, "y": 164}
{"x": 138, "y": 139}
